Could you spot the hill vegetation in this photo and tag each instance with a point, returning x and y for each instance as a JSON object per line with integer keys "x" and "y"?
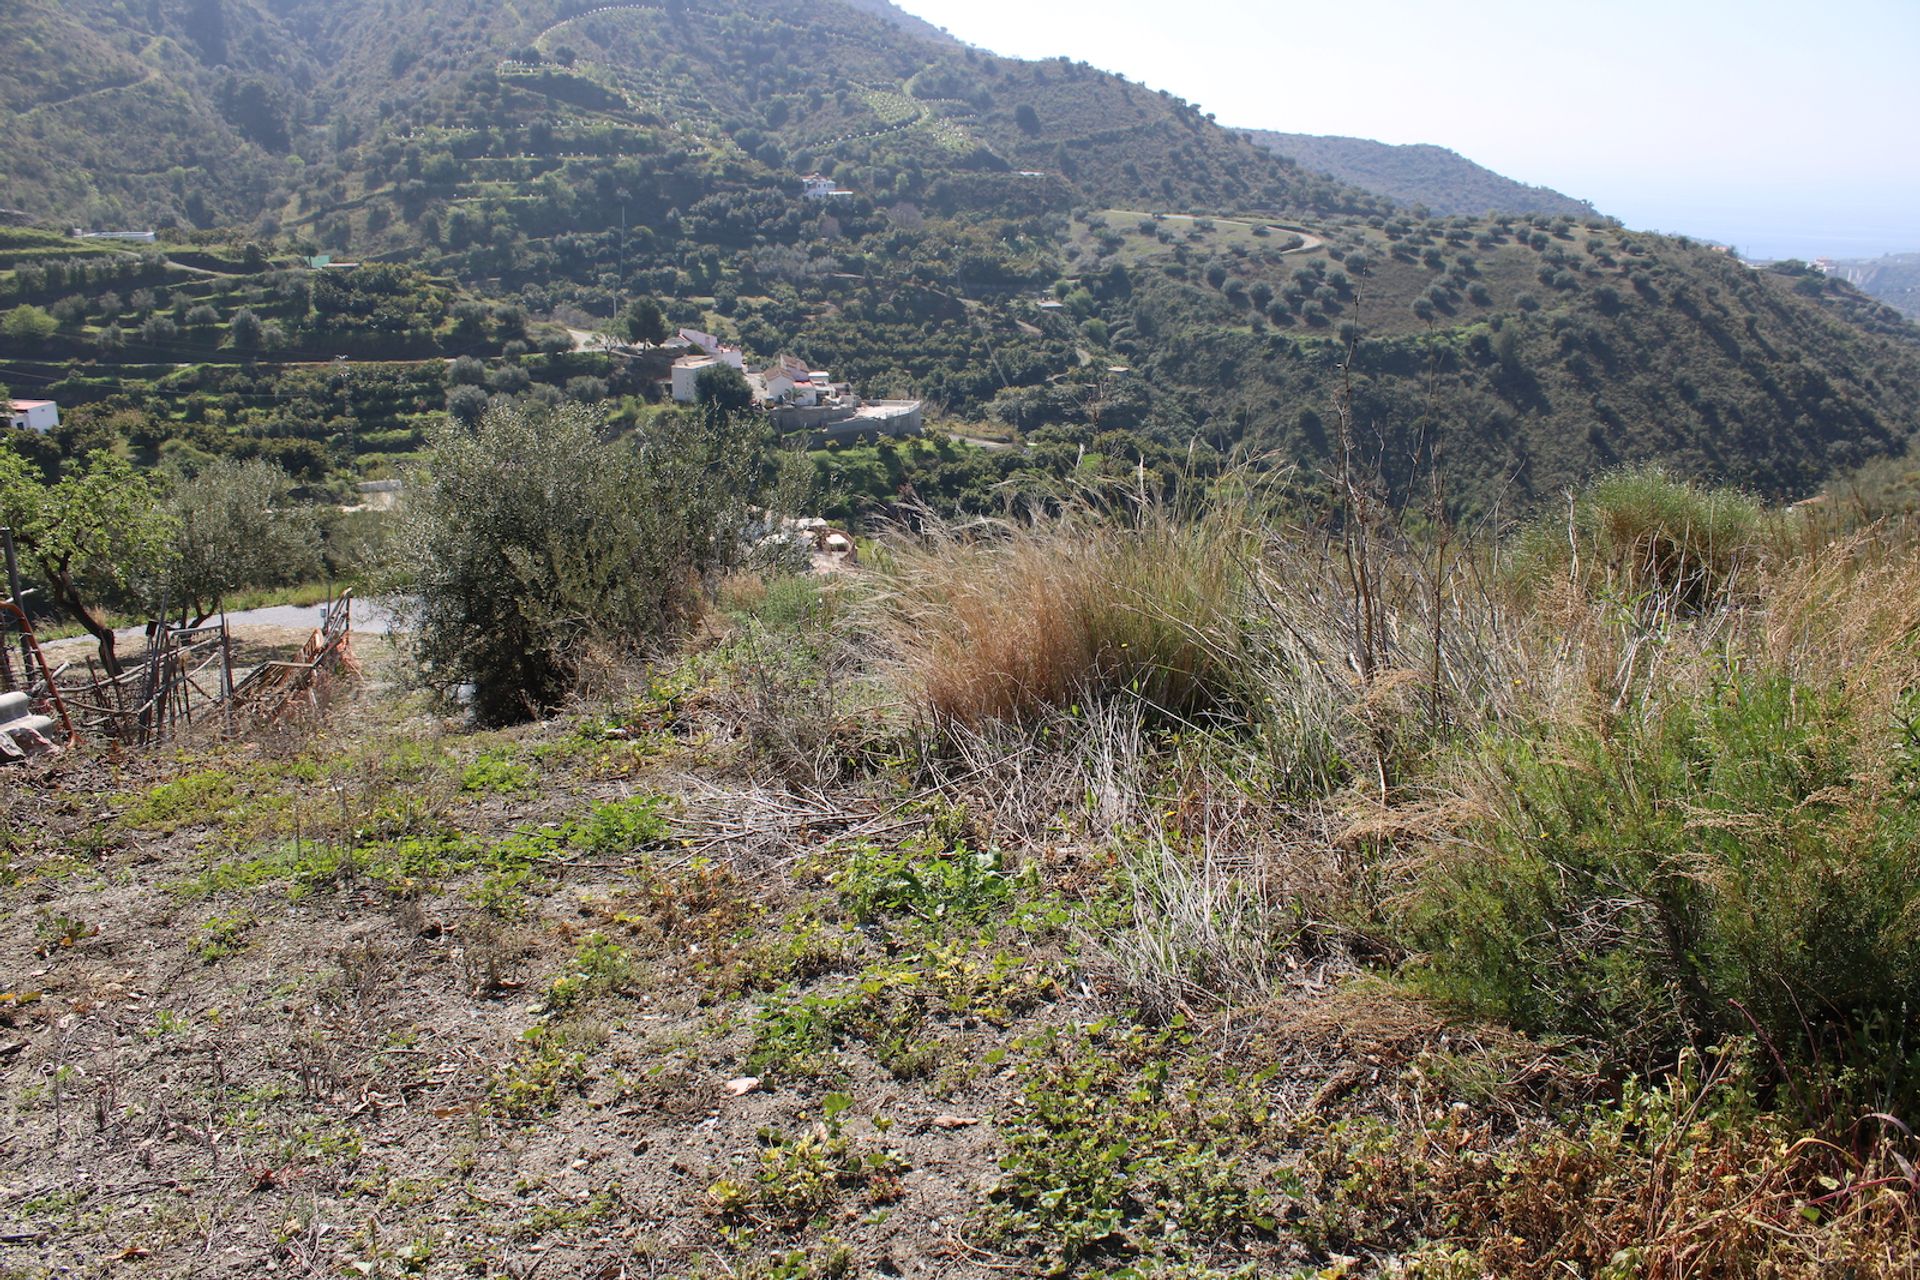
{"x": 1057, "y": 260}
{"x": 1312, "y": 771}
{"x": 1137, "y": 891}
{"x": 1893, "y": 279}
{"x": 1442, "y": 181}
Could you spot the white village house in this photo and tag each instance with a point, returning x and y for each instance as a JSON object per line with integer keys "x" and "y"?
{"x": 705, "y": 352}
{"x": 33, "y": 415}
{"x": 686, "y": 377}
{"x": 818, "y": 186}
{"x": 795, "y": 396}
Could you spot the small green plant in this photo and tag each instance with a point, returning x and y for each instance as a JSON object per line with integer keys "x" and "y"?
{"x": 498, "y": 773}
{"x": 208, "y": 797}
{"x": 58, "y": 931}
{"x": 1106, "y": 1154}
{"x": 893, "y": 1006}
{"x": 544, "y": 1070}
{"x": 169, "y": 1022}
{"x": 620, "y": 827}
{"x": 600, "y": 966}
{"x": 802, "y": 1176}
{"x": 937, "y": 886}
{"x": 223, "y": 936}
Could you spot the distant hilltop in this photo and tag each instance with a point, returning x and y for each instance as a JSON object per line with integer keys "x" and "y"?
{"x": 1894, "y": 279}
{"x": 1446, "y": 182}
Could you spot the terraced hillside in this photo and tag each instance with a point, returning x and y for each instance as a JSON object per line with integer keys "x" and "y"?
{"x": 1012, "y": 232}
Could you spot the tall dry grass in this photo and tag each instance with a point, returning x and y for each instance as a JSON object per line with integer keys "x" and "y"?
{"x": 1006, "y": 622}
{"x": 1542, "y": 780}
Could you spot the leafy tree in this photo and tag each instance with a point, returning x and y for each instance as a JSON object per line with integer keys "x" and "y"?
{"x": 723, "y": 388}
{"x": 247, "y": 330}
{"x": 465, "y": 371}
{"x": 28, "y": 323}
{"x": 532, "y": 541}
{"x": 94, "y": 534}
{"x": 466, "y": 402}
{"x": 1027, "y": 119}
{"x": 646, "y": 322}
{"x": 235, "y": 530}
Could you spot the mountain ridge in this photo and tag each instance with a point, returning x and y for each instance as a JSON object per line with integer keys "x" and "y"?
{"x": 1893, "y": 278}
{"x": 1010, "y": 232}
{"x": 1437, "y": 177}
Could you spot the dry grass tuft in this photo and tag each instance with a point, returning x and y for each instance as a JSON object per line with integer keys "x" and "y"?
{"x": 997, "y": 622}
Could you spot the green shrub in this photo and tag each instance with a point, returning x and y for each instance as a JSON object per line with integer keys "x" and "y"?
{"x": 1642, "y": 531}
{"x": 1741, "y": 859}
{"x": 530, "y": 542}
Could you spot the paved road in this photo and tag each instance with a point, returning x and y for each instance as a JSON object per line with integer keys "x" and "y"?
{"x": 370, "y": 617}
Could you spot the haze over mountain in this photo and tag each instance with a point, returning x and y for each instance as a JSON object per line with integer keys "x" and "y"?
{"x": 1893, "y": 279}
{"x": 1741, "y": 124}
{"x": 1444, "y": 181}
{"x": 563, "y": 160}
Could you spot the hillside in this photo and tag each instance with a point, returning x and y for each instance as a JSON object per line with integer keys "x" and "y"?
{"x": 898, "y": 17}
{"x": 114, "y": 120}
{"x": 1097, "y": 900}
{"x": 1893, "y": 279}
{"x": 1444, "y": 181}
{"x": 548, "y": 164}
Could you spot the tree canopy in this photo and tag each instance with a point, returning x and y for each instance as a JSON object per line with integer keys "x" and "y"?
{"x": 98, "y": 531}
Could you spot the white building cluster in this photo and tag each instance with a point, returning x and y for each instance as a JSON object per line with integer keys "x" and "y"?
{"x": 794, "y": 395}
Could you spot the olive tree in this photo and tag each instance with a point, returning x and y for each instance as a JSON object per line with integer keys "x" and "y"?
{"x": 529, "y": 539}
{"x": 234, "y": 529}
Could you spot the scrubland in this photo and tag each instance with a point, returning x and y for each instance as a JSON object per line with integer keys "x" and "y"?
{"x": 1140, "y": 892}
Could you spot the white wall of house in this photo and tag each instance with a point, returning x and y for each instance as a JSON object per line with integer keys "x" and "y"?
{"x": 34, "y": 415}
{"x": 686, "y": 377}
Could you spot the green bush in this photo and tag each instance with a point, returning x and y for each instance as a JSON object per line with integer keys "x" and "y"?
{"x": 530, "y": 542}
{"x": 1642, "y": 531}
{"x": 1745, "y": 859}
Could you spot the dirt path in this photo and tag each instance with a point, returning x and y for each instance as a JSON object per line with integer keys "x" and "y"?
{"x": 1308, "y": 240}
{"x": 88, "y": 93}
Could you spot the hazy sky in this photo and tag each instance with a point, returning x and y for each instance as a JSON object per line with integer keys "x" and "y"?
{"x": 1781, "y": 128}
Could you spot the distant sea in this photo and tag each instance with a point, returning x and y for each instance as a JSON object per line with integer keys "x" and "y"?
{"x": 1780, "y": 225}
{"x": 1766, "y": 241}
{"x": 1766, "y": 246}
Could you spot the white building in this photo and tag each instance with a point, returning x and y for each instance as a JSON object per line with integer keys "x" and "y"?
{"x": 789, "y": 381}
{"x": 686, "y": 376}
{"x": 820, "y": 187}
{"x": 34, "y": 415}
{"x": 712, "y": 346}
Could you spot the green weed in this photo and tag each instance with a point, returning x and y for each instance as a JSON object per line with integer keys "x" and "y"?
{"x": 1108, "y": 1154}
{"x": 498, "y": 773}
{"x": 544, "y": 1070}
{"x": 802, "y": 1176}
{"x": 934, "y": 885}
{"x": 223, "y": 936}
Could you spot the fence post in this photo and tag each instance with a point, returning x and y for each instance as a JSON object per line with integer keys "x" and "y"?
{"x": 13, "y": 593}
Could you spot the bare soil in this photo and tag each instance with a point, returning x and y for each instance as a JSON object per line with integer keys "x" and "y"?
{"x": 234, "y": 1043}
